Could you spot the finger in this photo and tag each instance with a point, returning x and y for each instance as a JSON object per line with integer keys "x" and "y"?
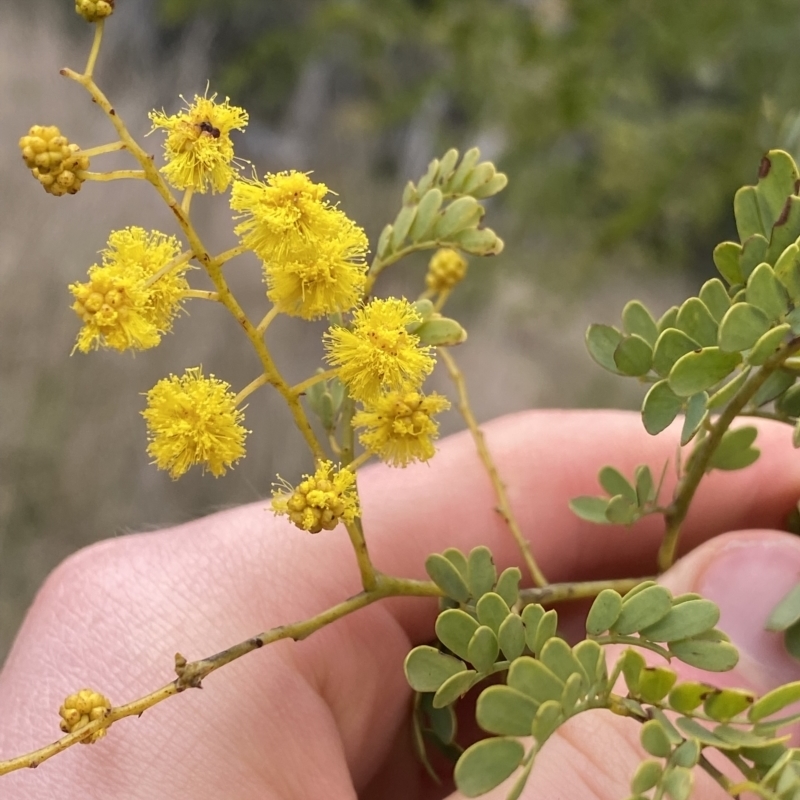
{"x": 546, "y": 459}
{"x": 594, "y": 755}
{"x": 202, "y": 586}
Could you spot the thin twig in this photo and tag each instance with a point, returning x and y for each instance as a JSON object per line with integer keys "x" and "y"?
{"x": 192, "y": 674}
{"x": 249, "y": 389}
{"x": 302, "y": 387}
{"x": 503, "y": 505}
{"x": 114, "y": 175}
{"x": 202, "y": 294}
{"x": 558, "y": 592}
{"x": 369, "y": 575}
{"x": 91, "y": 152}
{"x": 262, "y": 326}
{"x": 95, "y": 51}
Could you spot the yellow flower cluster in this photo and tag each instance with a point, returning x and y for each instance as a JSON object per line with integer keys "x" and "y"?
{"x": 81, "y": 708}
{"x": 400, "y": 426}
{"x": 94, "y": 10}
{"x": 198, "y": 148}
{"x": 53, "y": 161}
{"x": 191, "y": 420}
{"x": 446, "y": 269}
{"x": 321, "y": 500}
{"x": 379, "y": 354}
{"x": 126, "y": 303}
{"x": 313, "y": 254}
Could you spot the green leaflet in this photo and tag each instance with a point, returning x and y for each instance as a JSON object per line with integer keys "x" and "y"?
{"x": 486, "y": 764}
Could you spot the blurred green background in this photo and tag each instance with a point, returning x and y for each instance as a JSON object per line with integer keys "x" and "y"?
{"x": 625, "y": 126}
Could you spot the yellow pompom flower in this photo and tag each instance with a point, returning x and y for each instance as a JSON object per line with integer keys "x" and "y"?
{"x": 446, "y": 269}
{"x": 81, "y": 708}
{"x": 379, "y": 354}
{"x": 193, "y": 419}
{"x": 400, "y": 426}
{"x": 198, "y": 149}
{"x": 322, "y": 279}
{"x": 119, "y": 306}
{"x": 321, "y": 500}
{"x": 284, "y": 215}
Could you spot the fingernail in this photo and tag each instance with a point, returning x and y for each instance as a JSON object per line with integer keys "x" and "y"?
{"x": 747, "y": 575}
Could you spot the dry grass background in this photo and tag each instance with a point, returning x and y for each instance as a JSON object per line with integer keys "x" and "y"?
{"x": 73, "y": 467}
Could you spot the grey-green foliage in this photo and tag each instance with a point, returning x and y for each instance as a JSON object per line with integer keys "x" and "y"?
{"x": 626, "y": 501}
{"x": 443, "y": 209}
{"x": 612, "y": 142}
{"x": 485, "y": 628}
{"x": 325, "y": 400}
{"x": 699, "y": 356}
{"x": 651, "y": 617}
{"x": 785, "y": 617}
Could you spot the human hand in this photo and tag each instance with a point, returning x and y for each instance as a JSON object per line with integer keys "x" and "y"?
{"x": 327, "y": 717}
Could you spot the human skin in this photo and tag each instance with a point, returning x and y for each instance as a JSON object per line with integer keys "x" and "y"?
{"x": 327, "y": 717}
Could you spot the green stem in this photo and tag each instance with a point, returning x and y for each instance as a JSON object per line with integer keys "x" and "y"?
{"x": 201, "y": 294}
{"x": 701, "y": 456}
{"x": 632, "y": 641}
{"x": 262, "y": 326}
{"x": 95, "y": 51}
{"x": 348, "y": 444}
{"x": 379, "y": 265}
{"x": 227, "y": 255}
{"x": 304, "y": 386}
{"x": 441, "y": 300}
{"x": 385, "y": 586}
{"x": 735, "y": 758}
{"x": 176, "y": 262}
{"x": 186, "y": 203}
{"x": 503, "y": 504}
{"x": 369, "y": 575}
{"x": 773, "y": 415}
{"x": 91, "y": 152}
{"x": 359, "y": 461}
{"x": 723, "y": 780}
{"x": 191, "y": 674}
{"x": 249, "y": 389}
{"x": 114, "y": 175}
{"x": 558, "y": 592}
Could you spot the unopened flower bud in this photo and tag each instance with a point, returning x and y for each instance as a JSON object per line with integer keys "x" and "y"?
{"x": 94, "y": 10}
{"x": 81, "y": 708}
{"x": 446, "y": 269}
{"x": 53, "y": 161}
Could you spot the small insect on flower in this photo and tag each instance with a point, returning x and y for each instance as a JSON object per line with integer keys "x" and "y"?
{"x": 206, "y": 127}
{"x": 193, "y": 419}
{"x": 320, "y": 501}
{"x": 379, "y": 354}
{"x": 198, "y": 148}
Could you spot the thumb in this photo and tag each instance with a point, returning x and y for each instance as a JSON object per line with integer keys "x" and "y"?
{"x": 746, "y": 574}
